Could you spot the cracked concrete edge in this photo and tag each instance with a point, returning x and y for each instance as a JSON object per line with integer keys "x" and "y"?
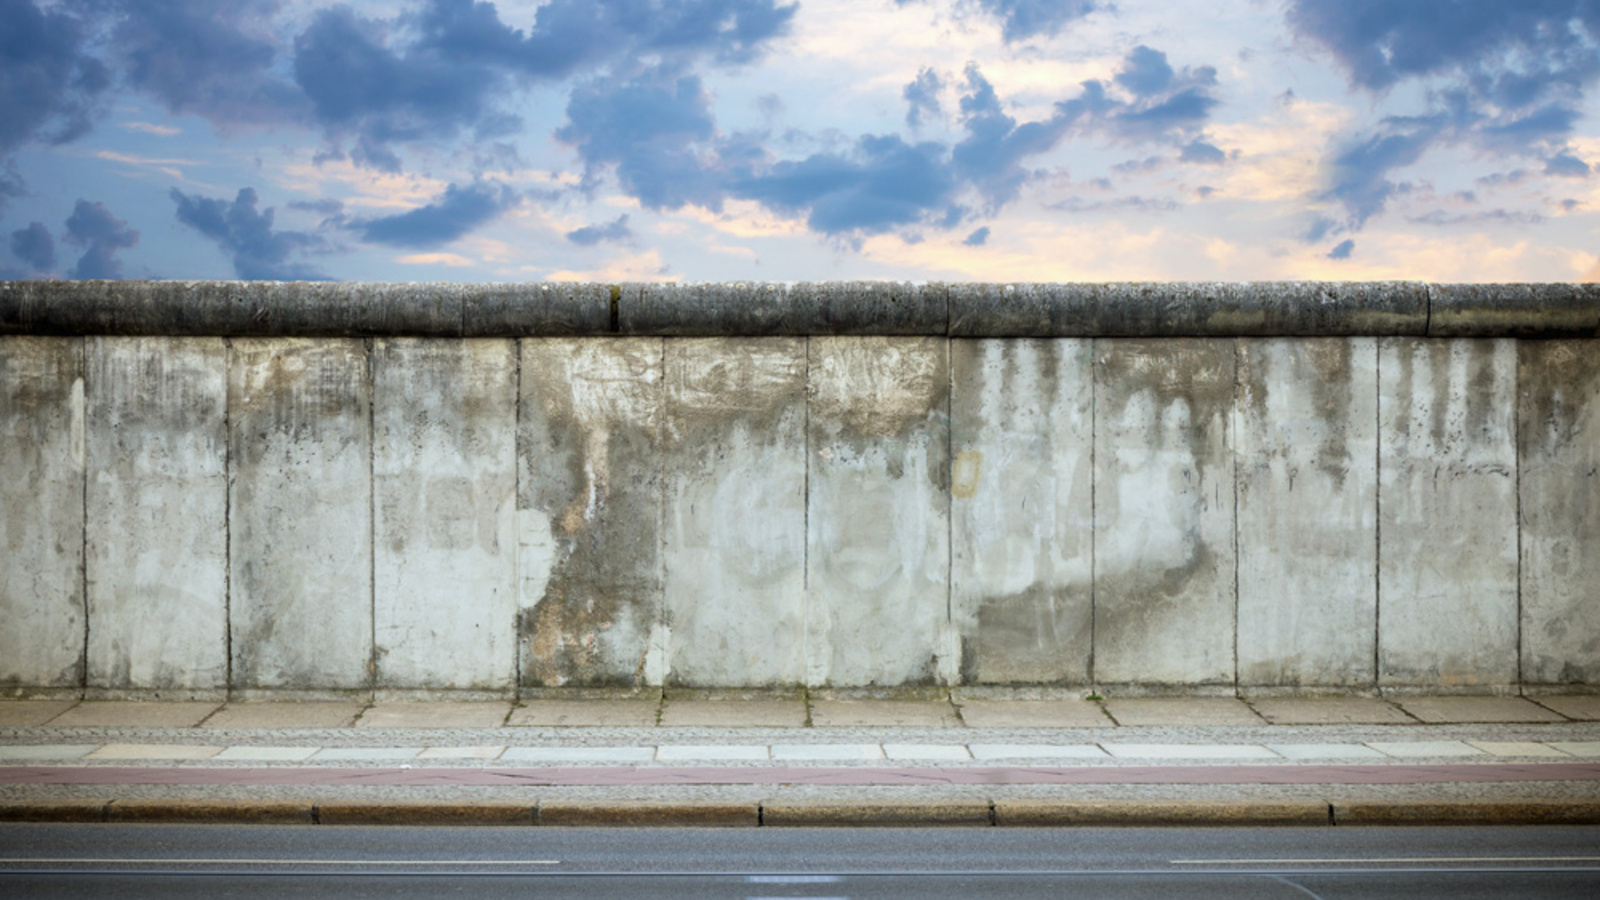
{"x": 1004, "y": 813}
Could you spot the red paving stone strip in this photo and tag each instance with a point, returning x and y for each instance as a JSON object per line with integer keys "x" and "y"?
{"x": 819, "y": 775}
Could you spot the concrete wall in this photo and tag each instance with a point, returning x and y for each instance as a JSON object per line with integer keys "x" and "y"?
{"x": 193, "y": 515}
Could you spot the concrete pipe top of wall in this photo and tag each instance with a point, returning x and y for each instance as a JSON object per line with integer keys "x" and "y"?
{"x": 751, "y": 309}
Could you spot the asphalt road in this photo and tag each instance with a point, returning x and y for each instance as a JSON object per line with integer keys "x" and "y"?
{"x": 777, "y": 864}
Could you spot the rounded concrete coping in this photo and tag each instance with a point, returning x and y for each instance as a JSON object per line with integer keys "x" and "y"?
{"x": 719, "y": 309}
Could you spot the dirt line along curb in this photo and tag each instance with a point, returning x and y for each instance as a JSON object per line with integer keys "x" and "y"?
{"x": 212, "y": 812}
{"x": 1035, "y": 814}
{"x": 651, "y": 814}
{"x": 1043, "y": 813}
{"x": 857, "y": 814}
{"x": 363, "y": 813}
{"x": 1524, "y": 812}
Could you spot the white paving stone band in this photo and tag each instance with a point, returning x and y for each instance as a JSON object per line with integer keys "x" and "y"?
{"x": 854, "y": 753}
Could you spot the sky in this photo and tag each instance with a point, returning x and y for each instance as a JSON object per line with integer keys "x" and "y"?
{"x": 800, "y": 140}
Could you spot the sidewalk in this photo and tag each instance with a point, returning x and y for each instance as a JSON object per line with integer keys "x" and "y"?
{"x": 700, "y": 759}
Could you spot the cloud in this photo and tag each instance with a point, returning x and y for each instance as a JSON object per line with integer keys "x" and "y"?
{"x": 882, "y": 183}
{"x": 450, "y": 65}
{"x": 589, "y": 235}
{"x": 34, "y": 246}
{"x": 922, "y": 97}
{"x": 259, "y": 253}
{"x": 1343, "y": 250}
{"x": 1145, "y": 72}
{"x": 1198, "y": 151}
{"x": 977, "y": 238}
{"x": 1566, "y": 165}
{"x": 216, "y": 60}
{"x": 94, "y": 228}
{"x": 453, "y": 214}
{"x": 48, "y": 87}
{"x": 991, "y": 155}
{"x": 647, "y": 127}
{"x": 1023, "y": 19}
{"x": 1508, "y": 78}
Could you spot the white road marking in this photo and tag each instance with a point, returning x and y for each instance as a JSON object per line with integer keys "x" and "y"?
{"x": 792, "y": 879}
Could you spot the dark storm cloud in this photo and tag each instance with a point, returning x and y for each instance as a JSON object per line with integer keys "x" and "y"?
{"x": 457, "y": 211}
{"x": 259, "y": 253}
{"x": 101, "y": 234}
{"x": 197, "y": 56}
{"x": 922, "y": 97}
{"x": 1508, "y": 78}
{"x": 590, "y": 235}
{"x": 48, "y": 87}
{"x": 34, "y": 246}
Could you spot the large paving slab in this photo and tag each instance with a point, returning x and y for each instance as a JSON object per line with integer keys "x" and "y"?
{"x": 734, "y": 545}
{"x": 444, "y": 490}
{"x": 734, "y": 713}
{"x": 1164, "y": 512}
{"x": 286, "y": 714}
{"x": 1181, "y": 711}
{"x": 29, "y": 713}
{"x": 586, "y": 713}
{"x": 1440, "y": 710}
{"x": 300, "y": 514}
{"x": 41, "y": 511}
{"x": 133, "y": 714}
{"x": 883, "y": 714}
{"x": 1559, "y": 486}
{"x": 1447, "y": 560}
{"x": 589, "y": 513}
{"x": 878, "y": 537}
{"x": 156, "y": 514}
{"x": 1329, "y": 711}
{"x": 1032, "y": 714}
{"x": 445, "y": 714}
{"x": 1583, "y": 707}
{"x": 1305, "y": 425}
{"x": 1021, "y": 510}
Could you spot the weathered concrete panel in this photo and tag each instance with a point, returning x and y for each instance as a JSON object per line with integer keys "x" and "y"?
{"x": 41, "y": 512}
{"x": 300, "y": 513}
{"x": 444, "y": 486}
{"x": 1164, "y": 512}
{"x": 734, "y": 463}
{"x": 1559, "y": 433}
{"x": 1447, "y": 557}
{"x": 156, "y": 503}
{"x": 589, "y": 512}
{"x": 1306, "y": 431}
{"x": 878, "y": 512}
{"x": 1021, "y": 512}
